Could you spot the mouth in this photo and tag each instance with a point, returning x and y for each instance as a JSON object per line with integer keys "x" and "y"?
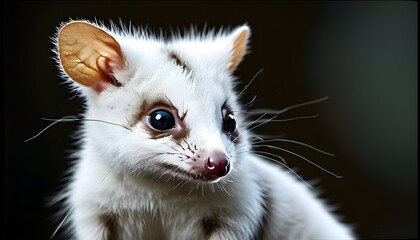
{"x": 184, "y": 174}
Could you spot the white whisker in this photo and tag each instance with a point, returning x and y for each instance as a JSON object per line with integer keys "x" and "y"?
{"x": 72, "y": 119}
{"x": 250, "y": 103}
{"x": 293, "y": 141}
{"x": 255, "y": 121}
{"x": 212, "y": 187}
{"x": 61, "y": 223}
{"x": 243, "y": 90}
{"x": 291, "y": 119}
{"x": 278, "y": 112}
{"x": 267, "y": 120}
{"x": 52, "y": 124}
{"x": 271, "y": 154}
{"x": 303, "y": 158}
{"x": 180, "y": 184}
{"x": 191, "y": 190}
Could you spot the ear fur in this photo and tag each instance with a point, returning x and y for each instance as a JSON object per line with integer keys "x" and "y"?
{"x": 89, "y": 55}
{"x": 239, "y": 46}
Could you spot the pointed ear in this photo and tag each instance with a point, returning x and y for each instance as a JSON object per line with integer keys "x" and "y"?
{"x": 89, "y": 55}
{"x": 239, "y": 47}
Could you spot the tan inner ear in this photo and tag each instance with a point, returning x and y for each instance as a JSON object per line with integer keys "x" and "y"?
{"x": 239, "y": 50}
{"x": 88, "y": 54}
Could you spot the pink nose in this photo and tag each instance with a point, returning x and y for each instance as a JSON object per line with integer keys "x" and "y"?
{"x": 217, "y": 165}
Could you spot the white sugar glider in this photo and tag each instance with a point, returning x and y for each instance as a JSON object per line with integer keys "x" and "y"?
{"x": 165, "y": 149}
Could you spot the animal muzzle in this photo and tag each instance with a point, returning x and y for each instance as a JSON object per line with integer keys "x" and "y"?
{"x": 216, "y": 165}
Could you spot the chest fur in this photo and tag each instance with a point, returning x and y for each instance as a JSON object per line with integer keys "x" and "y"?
{"x": 138, "y": 208}
{"x": 155, "y": 223}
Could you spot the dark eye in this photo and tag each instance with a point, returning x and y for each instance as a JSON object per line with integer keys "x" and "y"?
{"x": 229, "y": 123}
{"x": 161, "y": 120}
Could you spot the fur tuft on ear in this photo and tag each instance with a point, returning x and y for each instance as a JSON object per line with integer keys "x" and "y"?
{"x": 89, "y": 55}
{"x": 239, "y": 46}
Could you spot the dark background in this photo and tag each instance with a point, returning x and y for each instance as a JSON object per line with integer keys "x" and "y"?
{"x": 362, "y": 55}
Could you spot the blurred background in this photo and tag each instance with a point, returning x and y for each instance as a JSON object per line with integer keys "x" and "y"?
{"x": 361, "y": 55}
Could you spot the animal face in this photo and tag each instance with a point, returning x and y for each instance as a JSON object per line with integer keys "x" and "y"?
{"x": 171, "y": 104}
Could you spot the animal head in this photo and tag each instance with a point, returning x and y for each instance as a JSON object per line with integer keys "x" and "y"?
{"x": 173, "y": 100}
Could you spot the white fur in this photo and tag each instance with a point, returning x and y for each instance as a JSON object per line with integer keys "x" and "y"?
{"x": 117, "y": 173}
